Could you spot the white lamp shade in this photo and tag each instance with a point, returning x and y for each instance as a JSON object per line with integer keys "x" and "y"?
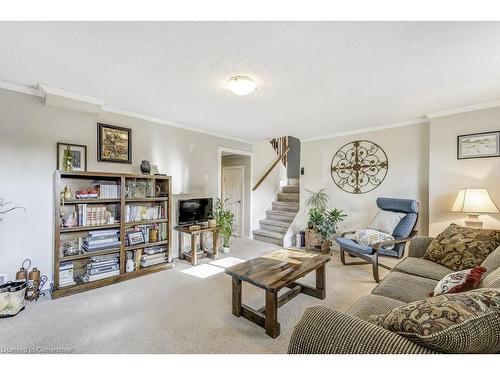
{"x": 241, "y": 85}
{"x": 474, "y": 201}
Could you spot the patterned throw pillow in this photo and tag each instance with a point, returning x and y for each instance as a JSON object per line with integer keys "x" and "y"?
{"x": 386, "y": 221}
{"x": 370, "y": 237}
{"x": 460, "y": 281}
{"x": 466, "y": 322}
{"x": 459, "y": 248}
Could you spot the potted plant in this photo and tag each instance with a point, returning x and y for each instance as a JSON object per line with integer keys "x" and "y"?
{"x": 225, "y": 221}
{"x": 322, "y": 223}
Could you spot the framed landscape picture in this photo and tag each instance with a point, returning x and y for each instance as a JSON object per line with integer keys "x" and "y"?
{"x": 71, "y": 157}
{"x": 478, "y": 145}
{"x": 114, "y": 144}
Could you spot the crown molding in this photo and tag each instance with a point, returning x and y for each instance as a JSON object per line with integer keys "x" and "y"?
{"x": 393, "y": 125}
{"x": 20, "y": 88}
{"x": 467, "y": 108}
{"x": 54, "y": 96}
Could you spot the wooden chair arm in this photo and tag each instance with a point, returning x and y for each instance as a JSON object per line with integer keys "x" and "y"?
{"x": 346, "y": 233}
{"x": 379, "y": 245}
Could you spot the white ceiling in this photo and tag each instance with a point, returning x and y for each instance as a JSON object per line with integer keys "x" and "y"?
{"x": 313, "y": 78}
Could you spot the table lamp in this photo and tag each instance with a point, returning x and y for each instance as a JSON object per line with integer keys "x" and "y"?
{"x": 474, "y": 202}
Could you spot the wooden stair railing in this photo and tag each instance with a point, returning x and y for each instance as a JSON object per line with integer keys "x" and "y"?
{"x": 282, "y": 155}
{"x": 280, "y": 145}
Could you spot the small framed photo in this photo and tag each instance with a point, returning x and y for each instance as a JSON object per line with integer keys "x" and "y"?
{"x": 135, "y": 238}
{"x": 71, "y": 157}
{"x": 114, "y": 144}
{"x": 478, "y": 145}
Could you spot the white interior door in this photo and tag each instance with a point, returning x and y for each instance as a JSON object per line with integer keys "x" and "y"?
{"x": 233, "y": 182}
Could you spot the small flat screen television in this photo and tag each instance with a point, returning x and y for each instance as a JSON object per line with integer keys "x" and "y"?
{"x": 195, "y": 210}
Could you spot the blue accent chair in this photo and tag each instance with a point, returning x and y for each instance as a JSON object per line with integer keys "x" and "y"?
{"x": 402, "y": 234}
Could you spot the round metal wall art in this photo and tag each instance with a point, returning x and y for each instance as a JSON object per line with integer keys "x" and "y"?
{"x": 359, "y": 167}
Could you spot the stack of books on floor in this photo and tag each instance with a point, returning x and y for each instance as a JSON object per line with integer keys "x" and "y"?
{"x": 153, "y": 255}
{"x": 66, "y": 274}
{"x": 102, "y": 239}
{"x": 101, "y": 267}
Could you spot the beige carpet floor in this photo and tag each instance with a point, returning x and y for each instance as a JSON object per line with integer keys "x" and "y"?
{"x": 173, "y": 312}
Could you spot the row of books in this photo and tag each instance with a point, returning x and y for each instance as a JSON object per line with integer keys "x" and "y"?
{"x": 89, "y": 215}
{"x": 107, "y": 189}
{"x": 101, "y": 267}
{"x": 135, "y": 213}
{"x": 101, "y": 239}
{"x": 66, "y": 274}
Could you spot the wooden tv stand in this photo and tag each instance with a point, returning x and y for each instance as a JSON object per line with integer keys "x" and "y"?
{"x": 193, "y": 256}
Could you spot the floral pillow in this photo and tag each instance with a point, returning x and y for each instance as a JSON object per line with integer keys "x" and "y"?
{"x": 370, "y": 237}
{"x": 460, "y": 281}
{"x": 465, "y": 322}
{"x": 460, "y": 248}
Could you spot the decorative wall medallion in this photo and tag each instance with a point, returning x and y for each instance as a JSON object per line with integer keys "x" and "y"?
{"x": 359, "y": 167}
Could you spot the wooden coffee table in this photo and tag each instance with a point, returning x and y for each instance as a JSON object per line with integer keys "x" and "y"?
{"x": 274, "y": 272}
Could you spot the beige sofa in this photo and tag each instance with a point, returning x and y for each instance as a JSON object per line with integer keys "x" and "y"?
{"x": 322, "y": 330}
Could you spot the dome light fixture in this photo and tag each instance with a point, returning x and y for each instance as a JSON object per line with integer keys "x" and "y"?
{"x": 241, "y": 85}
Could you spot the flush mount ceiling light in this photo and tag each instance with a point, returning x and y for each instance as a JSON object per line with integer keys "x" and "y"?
{"x": 241, "y": 85}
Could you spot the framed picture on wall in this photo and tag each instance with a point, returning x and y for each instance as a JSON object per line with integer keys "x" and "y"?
{"x": 71, "y": 157}
{"x": 114, "y": 144}
{"x": 478, "y": 145}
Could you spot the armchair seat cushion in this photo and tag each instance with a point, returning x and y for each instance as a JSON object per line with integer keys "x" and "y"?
{"x": 371, "y": 304}
{"x": 352, "y": 245}
{"x": 404, "y": 287}
{"x": 422, "y": 267}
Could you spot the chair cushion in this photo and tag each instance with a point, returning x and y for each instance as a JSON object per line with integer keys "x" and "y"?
{"x": 386, "y": 221}
{"x": 422, "y": 267}
{"x": 492, "y": 261}
{"x": 370, "y": 237}
{"x": 460, "y": 281}
{"x": 466, "y": 322}
{"x": 404, "y": 287}
{"x": 460, "y": 248}
{"x": 372, "y": 304}
{"x": 405, "y": 226}
{"x": 352, "y": 245}
{"x": 491, "y": 280}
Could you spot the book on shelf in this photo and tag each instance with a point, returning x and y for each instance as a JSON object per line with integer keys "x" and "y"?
{"x": 135, "y": 213}
{"x": 100, "y": 240}
{"x": 107, "y": 189}
{"x": 100, "y": 267}
{"x": 66, "y": 274}
{"x": 88, "y": 278}
{"x": 91, "y": 214}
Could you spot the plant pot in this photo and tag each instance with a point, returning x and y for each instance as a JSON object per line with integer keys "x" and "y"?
{"x": 225, "y": 250}
{"x": 314, "y": 242}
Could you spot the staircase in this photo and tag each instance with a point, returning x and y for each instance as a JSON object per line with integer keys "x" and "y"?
{"x": 274, "y": 227}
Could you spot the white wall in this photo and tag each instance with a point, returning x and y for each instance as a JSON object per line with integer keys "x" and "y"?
{"x": 448, "y": 175}
{"x": 28, "y": 135}
{"x": 263, "y": 157}
{"x": 407, "y": 177}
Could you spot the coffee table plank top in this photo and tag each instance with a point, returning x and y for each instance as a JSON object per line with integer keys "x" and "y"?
{"x": 276, "y": 270}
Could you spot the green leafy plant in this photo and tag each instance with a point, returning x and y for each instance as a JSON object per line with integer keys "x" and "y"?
{"x": 324, "y": 222}
{"x": 225, "y": 220}
{"x": 317, "y": 199}
{"x": 328, "y": 226}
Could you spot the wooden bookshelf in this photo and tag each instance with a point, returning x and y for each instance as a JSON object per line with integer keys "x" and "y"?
{"x": 161, "y": 185}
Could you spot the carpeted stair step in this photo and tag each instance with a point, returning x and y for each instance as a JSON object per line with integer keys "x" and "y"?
{"x": 293, "y": 181}
{"x": 291, "y": 189}
{"x": 268, "y": 236}
{"x": 274, "y": 226}
{"x": 286, "y": 206}
{"x": 288, "y": 197}
{"x": 283, "y": 216}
